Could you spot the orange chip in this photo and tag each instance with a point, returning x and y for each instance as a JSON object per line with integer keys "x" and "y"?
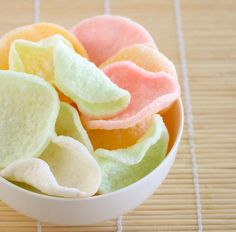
{"x": 120, "y": 138}
{"x": 146, "y": 57}
{"x": 35, "y": 32}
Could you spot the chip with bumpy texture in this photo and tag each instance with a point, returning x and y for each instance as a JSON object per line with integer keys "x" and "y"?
{"x": 65, "y": 169}
{"x": 150, "y": 93}
{"x": 123, "y": 167}
{"x": 104, "y": 35}
{"x": 68, "y": 124}
{"x": 34, "y": 33}
{"x": 93, "y": 92}
{"x": 28, "y": 110}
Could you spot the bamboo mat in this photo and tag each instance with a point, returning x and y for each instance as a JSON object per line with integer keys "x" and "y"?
{"x": 209, "y": 29}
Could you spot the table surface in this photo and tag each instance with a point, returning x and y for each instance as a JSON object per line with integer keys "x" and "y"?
{"x": 209, "y": 29}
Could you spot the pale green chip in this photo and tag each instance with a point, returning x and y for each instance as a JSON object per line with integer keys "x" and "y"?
{"x": 123, "y": 167}
{"x": 55, "y": 60}
{"x": 29, "y": 107}
{"x": 69, "y": 124}
{"x": 94, "y": 93}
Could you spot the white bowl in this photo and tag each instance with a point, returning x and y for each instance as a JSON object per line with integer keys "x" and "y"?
{"x": 98, "y": 208}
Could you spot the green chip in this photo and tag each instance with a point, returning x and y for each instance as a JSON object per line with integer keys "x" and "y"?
{"x": 29, "y": 107}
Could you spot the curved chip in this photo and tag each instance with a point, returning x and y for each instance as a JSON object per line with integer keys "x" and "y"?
{"x": 104, "y": 35}
{"x": 68, "y": 124}
{"x": 150, "y": 93}
{"x": 65, "y": 169}
{"x": 34, "y": 33}
{"x": 145, "y": 56}
{"x": 28, "y": 110}
{"x": 87, "y": 85}
{"x": 123, "y": 167}
{"x": 76, "y": 77}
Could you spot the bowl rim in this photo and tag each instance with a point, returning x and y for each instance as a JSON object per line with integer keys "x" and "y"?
{"x": 117, "y": 192}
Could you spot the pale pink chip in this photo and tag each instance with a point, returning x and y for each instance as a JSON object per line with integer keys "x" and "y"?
{"x": 150, "y": 93}
{"x": 104, "y": 35}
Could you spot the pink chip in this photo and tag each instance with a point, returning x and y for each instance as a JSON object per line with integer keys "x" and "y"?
{"x": 102, "y": 36}
{"x": 150, "y": 93}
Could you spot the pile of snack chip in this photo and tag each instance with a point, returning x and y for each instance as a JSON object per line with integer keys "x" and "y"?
{"x": 78, "y": 109}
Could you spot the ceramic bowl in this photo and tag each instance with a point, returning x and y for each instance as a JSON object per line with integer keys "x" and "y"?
{"x": 98, "y": 208}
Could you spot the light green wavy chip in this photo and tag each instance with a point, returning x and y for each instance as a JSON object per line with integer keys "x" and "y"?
{"x": 123, "y": 167}
{"x": 29, "y": 107}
